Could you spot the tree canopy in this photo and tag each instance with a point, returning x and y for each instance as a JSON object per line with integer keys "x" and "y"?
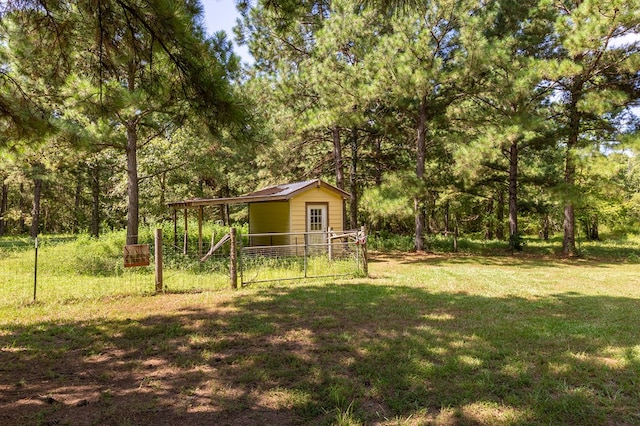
{"x": 502, "y": 118}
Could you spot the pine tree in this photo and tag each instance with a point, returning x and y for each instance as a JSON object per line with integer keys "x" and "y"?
{"x": 596, "y": 76}
{"x": 419, "y": 70}
{"x": 141, "y": 66}
{"x": 506, "y": 44}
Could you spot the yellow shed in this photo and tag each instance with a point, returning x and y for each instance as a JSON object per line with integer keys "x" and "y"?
{"x": 292, "y": 208}
{"x": 298, "y": 207}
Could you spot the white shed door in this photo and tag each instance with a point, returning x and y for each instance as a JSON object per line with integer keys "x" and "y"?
{"x": 316, "y": 222}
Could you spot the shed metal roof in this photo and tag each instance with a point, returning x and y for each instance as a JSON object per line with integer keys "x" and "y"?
{"x": 281, "y": 192}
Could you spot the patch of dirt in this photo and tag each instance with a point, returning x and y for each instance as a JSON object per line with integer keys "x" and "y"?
{"x": 149, "y": 371}
{"x": 183, "y": 359}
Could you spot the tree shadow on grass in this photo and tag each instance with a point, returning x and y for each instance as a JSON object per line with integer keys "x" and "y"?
{"x": 321, "y": 354}
{"x": 524, "y": 261}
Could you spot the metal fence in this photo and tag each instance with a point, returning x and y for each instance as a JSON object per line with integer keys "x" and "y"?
{"x": 184, "y": 271}
{"x": 62, "y": 269}
{"x": 292, "y": 256}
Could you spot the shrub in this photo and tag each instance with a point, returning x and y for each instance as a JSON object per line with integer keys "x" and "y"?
{"x": 385, "y": 241}
{"x": 517, "y": 242}
{"x": 98, "y": 257}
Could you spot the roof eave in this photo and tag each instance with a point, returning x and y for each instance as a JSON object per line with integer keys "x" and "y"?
{"x": 246, "y": 199}
{"x": 320, "y": 184}
{"x": 186, "y": 204}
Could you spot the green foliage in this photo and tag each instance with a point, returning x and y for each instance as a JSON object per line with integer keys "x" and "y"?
{"x": 385, "y": 241}
{"x": 388, "y": 206}
{"x": 127, "y": 77}
{"x": 336, "y": 92}
{"x": 98, "y": 257}
{"x": 517, "y": 242}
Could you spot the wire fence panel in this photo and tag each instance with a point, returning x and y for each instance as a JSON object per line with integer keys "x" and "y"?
{"x": 187, "y": 273}
{"x": 61, "y": 269}
{"x": 57, "y": 269}
{"x": 299, "y": 255}
{"x": 69, "y": 268}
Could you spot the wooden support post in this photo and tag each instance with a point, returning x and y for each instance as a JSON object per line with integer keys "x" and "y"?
{"x": 175, "y": 229}
{"x": 185, "y": 244}
{"x": 365, "y": 264}
{"x": 200, "y": 232}
{"x": 35, "y": 271}
{"x": 455, "y": 234}
{"x": 233, "y": 258}
{"x": 306, "y": 244}
{"x": 330, "y": 243}
{"x": 158, "y": 259}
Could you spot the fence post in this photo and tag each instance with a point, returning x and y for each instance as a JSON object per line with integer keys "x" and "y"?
{"x": 185, "y": 243}
{"x": 330, "y": 243}
{"x": 200, "y": 212}
{"x": 35, "y": 271}
{"x": 240, "y": 259}
{"x": 306, "y": 242}
{"x": 233, "y": 258}
{"x": 365, "y": 264}
{"x": 175, "y": 229}
{"x": 158, "y": 259}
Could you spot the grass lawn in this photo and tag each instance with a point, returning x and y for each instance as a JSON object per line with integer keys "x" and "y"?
{"x": 428, "y": 339}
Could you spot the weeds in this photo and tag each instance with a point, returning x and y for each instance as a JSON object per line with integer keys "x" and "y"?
{"x": 615, "y": 247}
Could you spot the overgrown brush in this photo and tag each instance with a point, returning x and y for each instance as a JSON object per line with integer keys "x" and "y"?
{"x": 98, "y": 257}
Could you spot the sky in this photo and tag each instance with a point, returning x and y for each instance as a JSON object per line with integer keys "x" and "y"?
{"x": 222, "y": 15}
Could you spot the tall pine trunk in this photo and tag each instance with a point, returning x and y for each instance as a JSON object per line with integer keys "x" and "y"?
{"x": 446, "y": 219}
{"x": 488, "y": 230}
{"x": 569, "y": 239}
{"x": 77, "y": 203}
{"x": 225, "y": 215}
{"x": 595, "y": 234}
{"x": 379, "y": 161}
{"x": 591, "y": 227}
{"x": 21, "y": 207}
{"x": 546, "y": 225}
{"x": 339, "y": 166}
{"x": 95, "y": 201}
{"x": 513, "y": 194}
{"x": 162, "y": 179}
{"x": 132, "y": 166}
{"x": 35, "y": 212}
{"x": 500, "y": 215}
{"x": 337, "y": 157}
{"x": 4, "y": 200}
{"x": 132, "y": 181}
{"x": 353, "y": 180}
{"x": 433, "y": 226}
{"x": 418, "y": 201}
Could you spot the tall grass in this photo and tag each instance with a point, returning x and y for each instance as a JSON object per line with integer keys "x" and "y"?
{"x": 262, "y": 268}
{"x": 82, "y": 267}
{"x": 618, "y": 247}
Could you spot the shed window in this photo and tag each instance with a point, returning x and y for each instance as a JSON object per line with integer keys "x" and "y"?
{"x": 315, "y": 219}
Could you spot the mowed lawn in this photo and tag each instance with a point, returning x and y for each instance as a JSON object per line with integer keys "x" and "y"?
{"x": 428, "y": 339}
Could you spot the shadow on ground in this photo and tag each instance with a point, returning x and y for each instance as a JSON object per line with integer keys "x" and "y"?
{"x": 325, "y": 354}
{"x": 521, "y": 260}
